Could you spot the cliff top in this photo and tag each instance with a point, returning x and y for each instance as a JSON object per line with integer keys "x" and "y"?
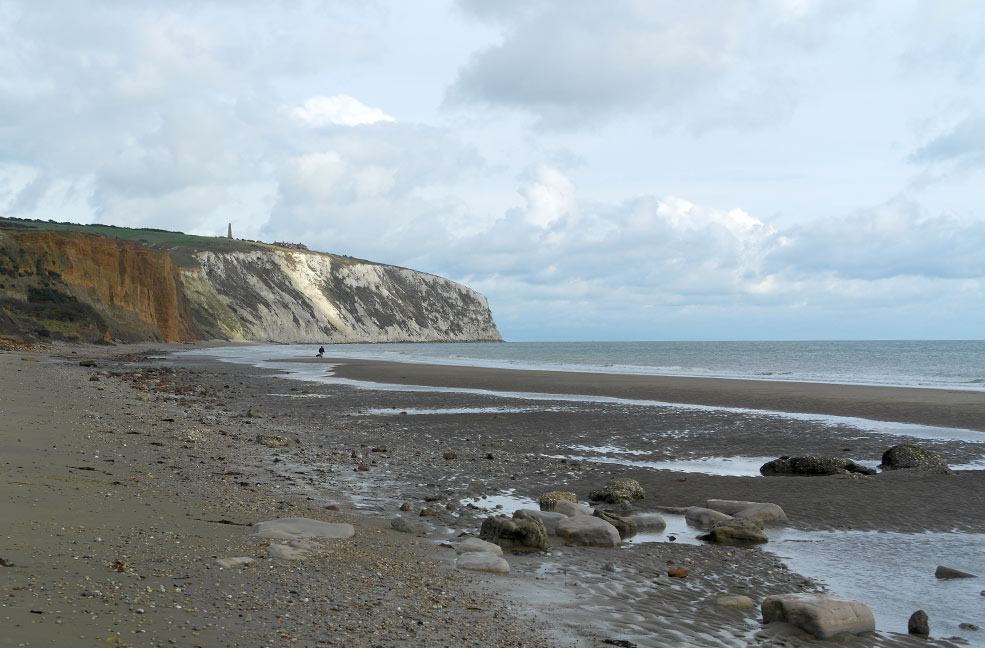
{"x": 182, "y": 247}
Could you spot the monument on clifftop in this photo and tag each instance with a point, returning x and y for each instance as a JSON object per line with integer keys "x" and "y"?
{"x": 229, "y": 233}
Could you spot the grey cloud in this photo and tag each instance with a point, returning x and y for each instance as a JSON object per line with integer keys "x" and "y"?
{"x": 965, "y": 141}
{"x": 578, "y": 62}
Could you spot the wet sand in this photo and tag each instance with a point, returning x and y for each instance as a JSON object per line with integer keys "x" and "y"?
{"x": 937, "y": 407}
{"x": 148, "y": 464}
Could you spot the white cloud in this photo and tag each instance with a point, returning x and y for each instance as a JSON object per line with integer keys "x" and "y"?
{"x": 341, "y": 110}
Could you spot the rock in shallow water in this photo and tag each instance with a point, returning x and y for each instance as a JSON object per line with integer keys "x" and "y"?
{"x": 765, "y": 512}
{"x": 822, "y": 616}
{"x": 811, "y": 465}
{"x": 943, "y": 572}
{"x": 475, "y": 545}
{"x": 571, "y": 509}
{"x": 549, "y": 518}
{"x": 919, "y": 623}
{"x": 910, "y": 456}
{"x": 737, "y": 532}
{"x": 625, "y": 527}
{"x": 703, "y": 518}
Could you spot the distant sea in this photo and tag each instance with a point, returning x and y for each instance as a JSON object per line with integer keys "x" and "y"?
{"x": 943, "y": 364}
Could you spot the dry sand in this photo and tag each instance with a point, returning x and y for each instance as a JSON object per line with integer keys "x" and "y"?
{"x": 143, "y": 471}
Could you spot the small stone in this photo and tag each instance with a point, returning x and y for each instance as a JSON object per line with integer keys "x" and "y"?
{"x": 256, "y": 412}
{"x": 277, "y": 440}
{"x": 968, "y": 626}
{"x": 405, "y": 506}
{"x": 448, "y": 456}
{"x": 409, "y": 526}
{"x": 918, "y": 624}
{"x": 362, "y": 467}
{"x": 428, "y": 512}
{"x": 677, "y": 572}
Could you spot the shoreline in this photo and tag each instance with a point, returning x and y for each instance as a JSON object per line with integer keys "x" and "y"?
{"x": 174, "y": 457}
{"x": 914, "y": 405}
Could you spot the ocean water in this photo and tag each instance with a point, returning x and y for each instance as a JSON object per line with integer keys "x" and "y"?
{"x": 944, "y": 364}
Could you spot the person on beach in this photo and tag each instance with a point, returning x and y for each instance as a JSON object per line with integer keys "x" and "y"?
{"x": 321, "y": 352}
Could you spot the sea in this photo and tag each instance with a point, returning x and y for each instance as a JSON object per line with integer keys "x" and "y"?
{"x": 941, "y": 364}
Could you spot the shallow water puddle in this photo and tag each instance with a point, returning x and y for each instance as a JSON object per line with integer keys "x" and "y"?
{"x": 677, "y": 528}
{"x": 506, "y": 503}
{"x": 893, "y": 573}
{"x": 720, "y": 466}
{"x": 456, "y": 410}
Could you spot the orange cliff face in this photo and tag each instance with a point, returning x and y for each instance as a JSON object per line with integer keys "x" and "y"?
{"x": 137, "y": 291}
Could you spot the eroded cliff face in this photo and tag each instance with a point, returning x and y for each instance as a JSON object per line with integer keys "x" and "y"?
{"x": 77, "y": 286}
{"x": 88, "y": 287}
{"x": 293, "y": 296}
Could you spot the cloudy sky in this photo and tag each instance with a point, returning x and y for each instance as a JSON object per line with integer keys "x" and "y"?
{"x": 627, "y": 169}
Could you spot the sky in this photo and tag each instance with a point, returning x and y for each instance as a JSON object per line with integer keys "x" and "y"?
{"x": 618, "y": 170}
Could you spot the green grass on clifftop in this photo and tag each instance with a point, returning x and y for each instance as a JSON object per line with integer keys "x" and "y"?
{"x": 182, "y": 247}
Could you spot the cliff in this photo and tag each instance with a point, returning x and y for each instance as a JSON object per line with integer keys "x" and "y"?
{"x": 152, "y": 285}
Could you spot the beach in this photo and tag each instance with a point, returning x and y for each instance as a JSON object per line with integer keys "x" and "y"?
{"x": 127, "y": 480}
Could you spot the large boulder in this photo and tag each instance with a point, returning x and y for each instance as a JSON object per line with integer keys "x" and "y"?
{"x": 482, "y": 561}
{"x": 765, "y": 512}
{"x": 910, "y": 456}
{"x": 821, "y": 616}
{"x": 625, "y": 527}
{"x": 548, "y": 501}
{"x": 736, "y": 532}
{"x": 618, "y": 489}
{"x": 812, "y": 465}
{"x": 586, "y": 531}
{"x": 703, "y": 518}
{"x": 549, "y": 518}
{"x": 571, "y": 509}
{"x": 521, "y": 533}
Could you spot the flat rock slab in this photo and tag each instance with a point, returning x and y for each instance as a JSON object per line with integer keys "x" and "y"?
{"x": 763, "y": 511}
{"x": 483, "y": 561}
{"x": 291, "y": 528}
{"x": 822, "y": 616}
{"x": 475, "y": 545}
{"x": 586, "y": 531}
{"x": 236, "y": 561}
{"x": 549, "y": 518}
{"x": 571, "y": 509}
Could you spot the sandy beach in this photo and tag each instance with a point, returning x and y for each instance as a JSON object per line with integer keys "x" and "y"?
{"x": 127, "y": 480}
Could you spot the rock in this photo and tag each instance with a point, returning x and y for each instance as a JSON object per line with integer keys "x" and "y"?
{"x": 735, "y": 601}
{"x": 586, "y": 531}
{"x": 428, "y": 512}
{"x": 404, "y": 525}
{"x": 522, "y": 533}
{"x": 618, "y": 489}
{"x": 649, "y": 521}
{"x": 483, "y": 561}
{"x": 405, "y": 506}
{"x": 968, "y": 626}
{"x": 764, "y": 512}
{"x": 448, "y": 456}
{"x": 919, "y": 623}
{"x": 811, "y": 465}
{"x": 291, "y": 528}
{"x": 277, "y": 440}
{"x": 946, "y": 572}
{"x": 626, "y": 528}
{"x": 571, "y": 509}
{"x": 475, "y": 545}
{"x": 736, "y": 531}
{"x": 238, "y": 561}
{"x": 703, "y": 518}
{"x": 362, "y": 468}
{"x": 550, "y": 519}
{"x": 677, "y": 572}
{"x": 910, "y": 456}
{"x": 256, "y": 412}
{"x": 287, "y": 552}
{"x": 548, "y": 501}
{"x": 87, "y": 363}
{"x": 821, "y": 616}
